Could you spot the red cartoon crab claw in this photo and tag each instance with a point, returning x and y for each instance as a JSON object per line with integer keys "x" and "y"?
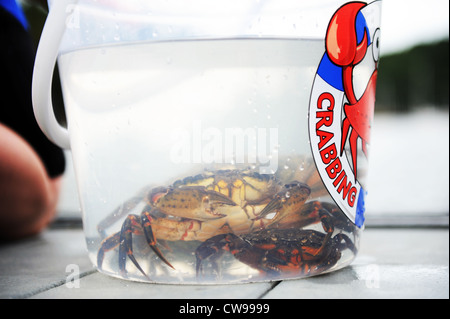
{"x": 344, "y": 50}
{"x": 342, "y": 43}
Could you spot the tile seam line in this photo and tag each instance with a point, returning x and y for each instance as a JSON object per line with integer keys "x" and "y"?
{"x": 56, "y": 284}
{"x": 272, "y": 287}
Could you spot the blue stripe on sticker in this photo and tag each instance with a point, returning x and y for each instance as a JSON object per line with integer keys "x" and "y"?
{"x": 361, "y": 208}
{"x": 361, "y": 27}
{"x": 331, "y": 73}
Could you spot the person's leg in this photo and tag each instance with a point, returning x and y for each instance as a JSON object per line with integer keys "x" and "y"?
{"x": 28, "y": 197}
{"x": 30, "y": 165}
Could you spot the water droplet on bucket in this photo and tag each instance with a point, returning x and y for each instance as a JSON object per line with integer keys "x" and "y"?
{"x": 302, "y": 167}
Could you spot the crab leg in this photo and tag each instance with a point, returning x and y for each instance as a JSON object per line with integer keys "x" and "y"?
{"x": 126, "y": 244}
{"x": 212, "y": 249}
{"x": 124, "y": 239}
{"x": 146, "y": 219}
{"x": 108, "y": 244}
{"x": 348, "y": 243}
{"x": 131, "y": 223}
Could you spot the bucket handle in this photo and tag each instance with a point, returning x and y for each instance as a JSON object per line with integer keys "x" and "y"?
{"x": 44, "y": 65}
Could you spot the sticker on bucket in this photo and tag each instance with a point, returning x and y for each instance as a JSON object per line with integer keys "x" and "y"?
{"x": 342, "y": 105}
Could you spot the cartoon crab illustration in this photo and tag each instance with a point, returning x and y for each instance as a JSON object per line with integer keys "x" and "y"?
{"x": 347, "y": 43}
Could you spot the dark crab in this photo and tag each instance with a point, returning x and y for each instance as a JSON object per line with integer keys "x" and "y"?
{"x": 277, "y": 252}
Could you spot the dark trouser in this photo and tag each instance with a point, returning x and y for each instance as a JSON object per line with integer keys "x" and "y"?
{"x": 16, "y": 69}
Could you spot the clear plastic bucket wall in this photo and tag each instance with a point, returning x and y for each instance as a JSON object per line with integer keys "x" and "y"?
{"x": 214, "y": 142}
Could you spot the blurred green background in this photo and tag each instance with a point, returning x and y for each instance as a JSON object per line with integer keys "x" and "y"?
{"x": 414, "y": 78}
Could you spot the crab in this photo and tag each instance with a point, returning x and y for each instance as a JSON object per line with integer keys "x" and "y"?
{"x": 281, "y": 252}
{"x": 345, "y": 50}
{"x": 236, "y": 202}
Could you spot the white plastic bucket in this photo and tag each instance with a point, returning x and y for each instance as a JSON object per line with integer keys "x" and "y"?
{"x": 212, "y": 142}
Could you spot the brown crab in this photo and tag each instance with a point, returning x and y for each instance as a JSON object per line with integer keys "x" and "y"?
{"x": 199, "y": 208}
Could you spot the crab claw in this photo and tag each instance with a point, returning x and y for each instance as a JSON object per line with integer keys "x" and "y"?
{"x": 342, "y": 38}
{"x": 193, "y": 202}
{"x": 286, "y": 202}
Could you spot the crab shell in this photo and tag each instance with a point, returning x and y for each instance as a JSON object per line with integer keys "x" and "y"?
{"x": 203, "y": 206}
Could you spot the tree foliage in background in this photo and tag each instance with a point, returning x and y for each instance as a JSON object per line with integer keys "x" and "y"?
{"x": 414, "y": 78}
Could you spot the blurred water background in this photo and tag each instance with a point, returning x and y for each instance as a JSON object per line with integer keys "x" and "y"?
{"x": 409, "y": 151}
